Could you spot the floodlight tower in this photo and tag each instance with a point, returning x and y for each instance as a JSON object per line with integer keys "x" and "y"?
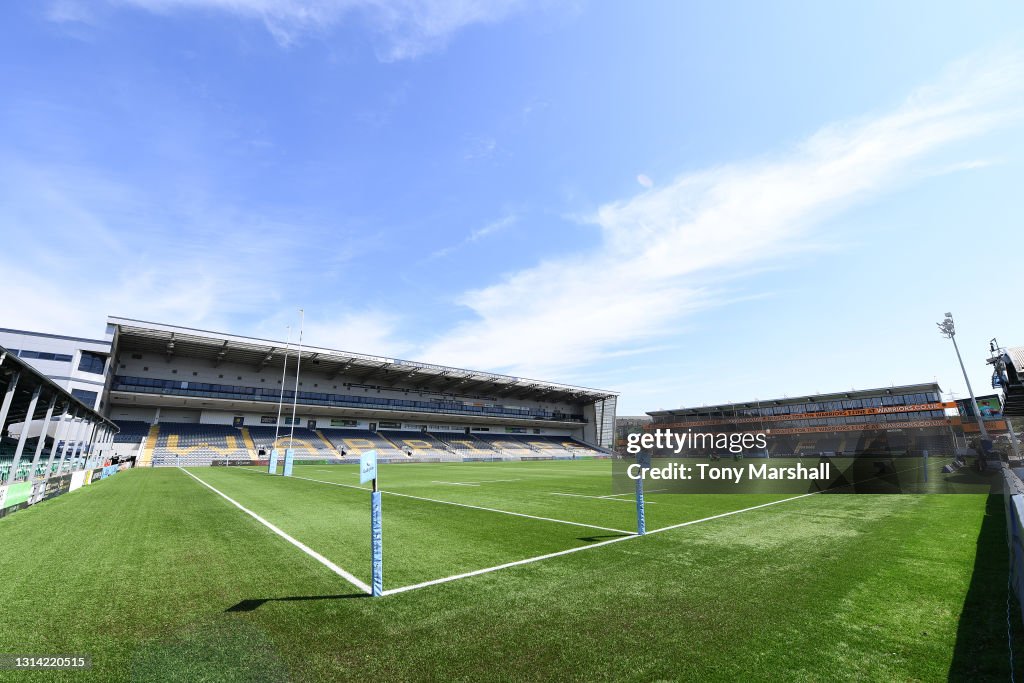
{"x": 948, "y": 330}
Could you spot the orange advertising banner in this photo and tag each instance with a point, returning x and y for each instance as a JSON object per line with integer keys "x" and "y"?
{"x": 914, "y": 424}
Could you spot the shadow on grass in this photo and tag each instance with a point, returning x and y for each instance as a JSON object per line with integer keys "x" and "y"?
{"x": 601, "y": 537}
{"x": 982, "y": 649}
{"x": 256, "y": 603}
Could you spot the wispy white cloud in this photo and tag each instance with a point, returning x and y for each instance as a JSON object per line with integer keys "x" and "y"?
{"x": 478, "y": 234}
{"x": 70, "y": 11}
{"x": 492, "y": 227}
{"x": 479, "y": 147}
{"x": 406, "y": 28}
{"x": 660, "y": 252}
{"x": 971, "y": 165}
{"x": 645, "y": 180}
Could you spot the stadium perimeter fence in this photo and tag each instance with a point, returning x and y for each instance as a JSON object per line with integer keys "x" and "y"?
{"x": 1013, "y": 502}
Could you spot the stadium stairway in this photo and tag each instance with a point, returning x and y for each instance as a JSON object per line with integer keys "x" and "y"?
{"x": 249, "y": 444}
{"x": 327, "y": 442}
{"x": 447, "y": 446}
{"x": 549, "y": 446}
{"x": 543, "y": 450}
{"x": 508, "y": 446}
{"x": 468, "y": 446}
{"x": 147, "y": 450}
{"x": 422, "y": 445}
{"x": 524, "y": 444}
{"x": 400, "y": 449}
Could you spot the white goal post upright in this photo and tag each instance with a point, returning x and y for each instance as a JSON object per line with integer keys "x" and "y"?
{"x": 272, "y": 469}
{"x": 289, "y": 453}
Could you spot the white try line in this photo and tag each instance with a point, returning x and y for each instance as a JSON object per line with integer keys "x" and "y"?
{"x": 461, "y": 505}
{"x": 560, "y": 553}
{"x": 298, "y": 544}
{"x": 608, "y": 498}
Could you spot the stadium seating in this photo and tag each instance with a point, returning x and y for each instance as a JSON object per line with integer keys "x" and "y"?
{"x": 186, "y": 444}
{"x": 518, "y": 445}
{"x": 806, "y": 447}
{"x": 352, "y": 442}
{"x": 468, "y": 445}
{"x": 507, "y": 445}
{"x": 132, "y": 431}
{"x": 306, "y": 443}
{"x": 198, "y": 444}
{"x": 579, "y": 448}
{"x": 556, "y": 445}
{"x": 420, "y": 444}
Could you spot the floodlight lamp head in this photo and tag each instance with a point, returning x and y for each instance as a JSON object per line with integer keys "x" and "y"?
{"x": 946, "y": 327}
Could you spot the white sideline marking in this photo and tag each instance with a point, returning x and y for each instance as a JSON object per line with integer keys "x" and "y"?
{"x": 461, "y": 505}
{"x": 529, "y": 560}
{"x": 454, "y": 483}
{"x": 608, "y": 498}
{"x": 733, "y": 512}
{"x": 298, "y": 544}
{"x": 487, "y": 570}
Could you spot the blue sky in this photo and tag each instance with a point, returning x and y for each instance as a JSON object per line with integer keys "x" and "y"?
{"x": 687, "y": 202}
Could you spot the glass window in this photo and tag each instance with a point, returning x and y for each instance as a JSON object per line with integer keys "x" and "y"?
{"x": 92, "y": 362}
{"x": 44, "y": 355}
{"x": 86, "y": 397}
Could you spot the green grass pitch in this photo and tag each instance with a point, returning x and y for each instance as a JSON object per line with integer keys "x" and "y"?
{"x": 158, "y": 577}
